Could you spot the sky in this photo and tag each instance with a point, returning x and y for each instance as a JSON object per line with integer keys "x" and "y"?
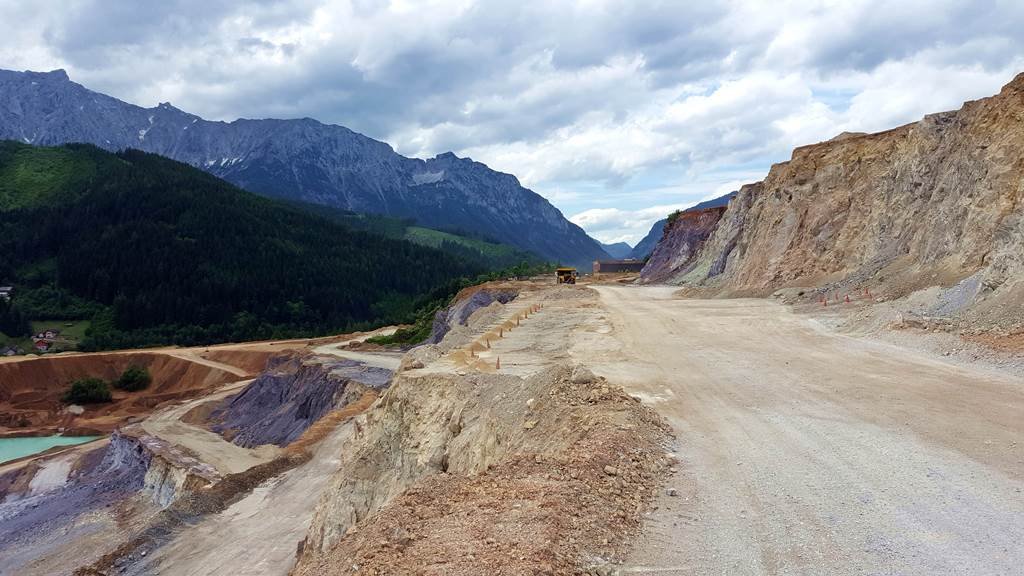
{"x": 616, "y": 111}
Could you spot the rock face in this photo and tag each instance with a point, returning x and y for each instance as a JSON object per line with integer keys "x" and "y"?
{"x": 461, "y": 309}
{"x": 298, "y": 159}
{"x": 933, "y": 202}
{"x": 645, "y": 247}
{"x": 292, "y": 394}
{"x": 683, "y": 239}
{"x": 88, "y": 486}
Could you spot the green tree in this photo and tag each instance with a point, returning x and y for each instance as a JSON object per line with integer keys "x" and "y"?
{"x": 87, "y": 391}
{"x": 133, "y": 379}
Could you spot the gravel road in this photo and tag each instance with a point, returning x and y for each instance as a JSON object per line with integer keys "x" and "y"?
{"x": 806, "y": 452}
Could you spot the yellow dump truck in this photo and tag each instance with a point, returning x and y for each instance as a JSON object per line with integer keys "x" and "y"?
{"x": 565, "y": 275}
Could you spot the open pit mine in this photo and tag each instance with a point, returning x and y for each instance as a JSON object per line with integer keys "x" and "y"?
{"x": 822, "y": 375}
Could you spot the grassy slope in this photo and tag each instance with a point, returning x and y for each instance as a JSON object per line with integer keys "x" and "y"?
{"x": 489, "y": 250}
{"x": 31, "y": 177}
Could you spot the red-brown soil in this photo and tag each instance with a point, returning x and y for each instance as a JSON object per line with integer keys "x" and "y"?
{"x": 31, "y": 388}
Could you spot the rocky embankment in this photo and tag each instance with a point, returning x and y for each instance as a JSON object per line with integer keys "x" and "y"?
{"x": 465, "y": 468}
{"x": 935, "y": 202}
{"x": 683, "y": 238}
{"x": 464, "y": 305}
{"x": 103, "y": 506}
{"x": 293, "y": 393}
{"x": 53, "y": 510}
{"x": 491, "y": 451}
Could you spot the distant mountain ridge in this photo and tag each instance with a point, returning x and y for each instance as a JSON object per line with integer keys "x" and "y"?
{"x": 618, "y": 249}
{"x": 298, "y": 159}
{"x": 644, "y": 247}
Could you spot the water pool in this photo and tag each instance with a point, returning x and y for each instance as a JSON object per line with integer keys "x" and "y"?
{"x": 12, "y": 448}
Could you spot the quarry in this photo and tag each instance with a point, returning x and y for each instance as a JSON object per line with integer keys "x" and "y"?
{"x": 822, "y": 376}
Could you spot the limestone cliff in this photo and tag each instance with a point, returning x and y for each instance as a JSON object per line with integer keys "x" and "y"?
{"x": 683, "y": 238}
{"x": 935, "y": 202}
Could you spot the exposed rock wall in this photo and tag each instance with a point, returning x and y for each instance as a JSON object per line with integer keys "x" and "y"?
{"x": 462, "y": 308}
{"x": 292, "y": 394}
{"x": 682, "y": 240}
{"x": 928, "y": 203}
{"x": 96, "y": 481}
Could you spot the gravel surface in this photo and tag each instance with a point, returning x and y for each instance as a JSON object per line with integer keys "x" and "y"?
{"x": 807, "y": 452}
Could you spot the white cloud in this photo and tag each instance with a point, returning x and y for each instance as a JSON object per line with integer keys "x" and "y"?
{"x": 613, "y": 109}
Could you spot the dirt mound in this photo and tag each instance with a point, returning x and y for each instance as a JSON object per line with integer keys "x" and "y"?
{"x": 518, "y": 475}
{"x": 31, "y": 389}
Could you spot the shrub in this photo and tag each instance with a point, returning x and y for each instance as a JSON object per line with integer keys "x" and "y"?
{"x": 673, "y": 217}
{"x": 133, "y": 379}
{"x": 87, "y": 391}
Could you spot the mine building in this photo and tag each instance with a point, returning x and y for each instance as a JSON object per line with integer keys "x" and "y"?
{"x": 617, "y": 266}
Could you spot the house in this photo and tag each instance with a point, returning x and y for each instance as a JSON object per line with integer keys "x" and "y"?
{"x": 42, "y": 345}
{"x": 9, "y": 351}
{"x": 51, "y": 334}
{"x": 6, "y": 292}
{"x": 611, "y": 266}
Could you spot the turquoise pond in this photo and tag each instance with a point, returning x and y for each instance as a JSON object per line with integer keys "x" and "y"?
{"x": 11, "y": 448}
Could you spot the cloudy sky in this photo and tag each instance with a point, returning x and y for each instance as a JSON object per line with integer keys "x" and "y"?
{"x": 617, "y": 112}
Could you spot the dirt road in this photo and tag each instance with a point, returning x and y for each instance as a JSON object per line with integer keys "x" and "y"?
{"x": 387, "y": 360}
{"x": 208, "y": 446}
{"x": 806, "y": 452}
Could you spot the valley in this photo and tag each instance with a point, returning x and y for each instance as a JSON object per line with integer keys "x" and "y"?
{"x": 277, "y": 347}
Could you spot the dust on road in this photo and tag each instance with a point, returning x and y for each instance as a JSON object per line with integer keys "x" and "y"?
{"x": 807, "y": 452}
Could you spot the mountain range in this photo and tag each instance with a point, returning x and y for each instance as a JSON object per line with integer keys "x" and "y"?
{"x": 618, "y": 249}
{"x": 300, "y": 159}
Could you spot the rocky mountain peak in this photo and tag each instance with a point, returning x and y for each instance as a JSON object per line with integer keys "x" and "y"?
{"x": 298, "y": 159}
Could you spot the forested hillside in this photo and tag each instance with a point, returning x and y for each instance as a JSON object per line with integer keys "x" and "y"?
{"x": 299, "y": 159}
{"x": 154, "y": 251}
